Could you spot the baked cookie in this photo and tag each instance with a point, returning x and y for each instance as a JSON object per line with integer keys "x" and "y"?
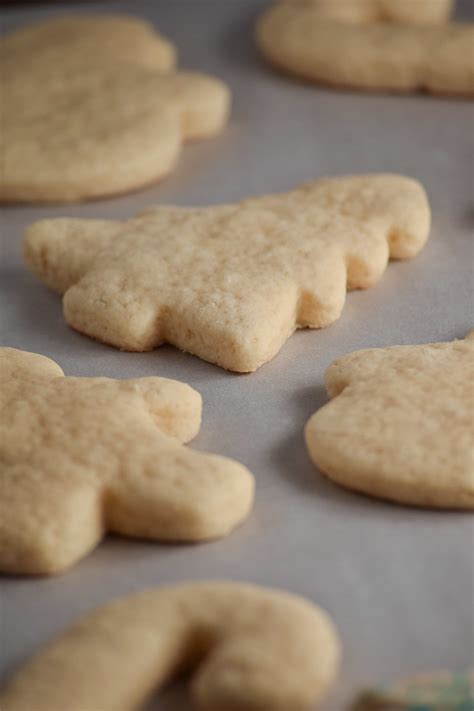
{"x": 254, "y": 648}
{"x": 92, "y": 107}
{"x": 395, "y": 45}
{"x": 83, "y": 456}
{"x": 401, "y": 424}
{"x": 229, "y": 283}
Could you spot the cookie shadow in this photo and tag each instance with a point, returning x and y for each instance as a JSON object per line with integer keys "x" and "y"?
{"x": 238, "y": 39}
{"x": 30, "y": 308}
{"x": 174, "y": 697}
{"x": 467, "y": 220}
{"x": 291, "y": 459}
{"x": 464, "y": 11}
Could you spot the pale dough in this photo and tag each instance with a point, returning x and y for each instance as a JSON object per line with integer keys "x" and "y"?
{"x": 91, "y": 106}
{"x": 398, "y": 45}
{"x": 401, "y": 424}
{"x": 83, "y": 456}
{"x": 229, "y": 283}
{"x": 254, "y": 648}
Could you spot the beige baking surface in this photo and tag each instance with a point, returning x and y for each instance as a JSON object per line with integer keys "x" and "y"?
{"x": 397, "y": 581}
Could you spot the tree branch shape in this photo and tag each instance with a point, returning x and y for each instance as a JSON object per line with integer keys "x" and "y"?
{"x": 229, "y": 283}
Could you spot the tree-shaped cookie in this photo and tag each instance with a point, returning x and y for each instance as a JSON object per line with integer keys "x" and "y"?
{"x": 91, "y": 106}
{"x": 229, "y": 283}
{"x": 396, "y": 45}
{"x": 401, "y": 424}
{"x": 83, "y": 456}
{"x": 254, "y": 648}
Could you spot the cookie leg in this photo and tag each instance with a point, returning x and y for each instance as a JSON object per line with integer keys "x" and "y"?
{"x": 45, "y": 532}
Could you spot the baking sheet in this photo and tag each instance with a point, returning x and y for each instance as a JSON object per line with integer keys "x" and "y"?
{"x": 399, "y": 582}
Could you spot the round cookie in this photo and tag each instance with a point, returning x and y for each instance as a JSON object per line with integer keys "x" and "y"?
{"x": 92, "y": 107}
{"x": 400, "y": 425}
{"x": 370, "y": 44}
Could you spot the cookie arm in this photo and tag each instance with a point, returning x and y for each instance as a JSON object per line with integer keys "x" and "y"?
{"x": 60, "y": 251}
{"x": 23, "y": 365}
{"x": 174, "y": 406}
{"x": 174, "y": 493}
{"x": 203, "y": 102}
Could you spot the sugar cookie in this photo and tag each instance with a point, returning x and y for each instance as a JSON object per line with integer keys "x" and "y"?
{"x": 92, "y": 107}
{"x": 401, "y": 424}
{"x": 398, "y": 45}
{"x": 83, "y": 456}
{"x": 229, "y": 283}
{"x": 254, "y": 648}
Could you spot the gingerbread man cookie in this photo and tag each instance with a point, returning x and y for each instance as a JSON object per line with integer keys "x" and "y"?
{"x": 395, "y": 45}
{"x": 92, "y": 106}
{"x": 229, "y": 283}
{"x": 254, "y": 648}
{"x": 83, "y": 456}
{"x": 401, "y": 424}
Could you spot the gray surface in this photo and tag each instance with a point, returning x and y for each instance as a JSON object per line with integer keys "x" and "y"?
{"x": 398, "y": 581}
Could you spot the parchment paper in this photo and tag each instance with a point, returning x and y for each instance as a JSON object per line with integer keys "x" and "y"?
{"x": 397, "y": 581}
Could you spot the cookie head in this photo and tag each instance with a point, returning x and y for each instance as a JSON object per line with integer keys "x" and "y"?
{"x": 400, "y": 424}
{"x": 83, "y": 456}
